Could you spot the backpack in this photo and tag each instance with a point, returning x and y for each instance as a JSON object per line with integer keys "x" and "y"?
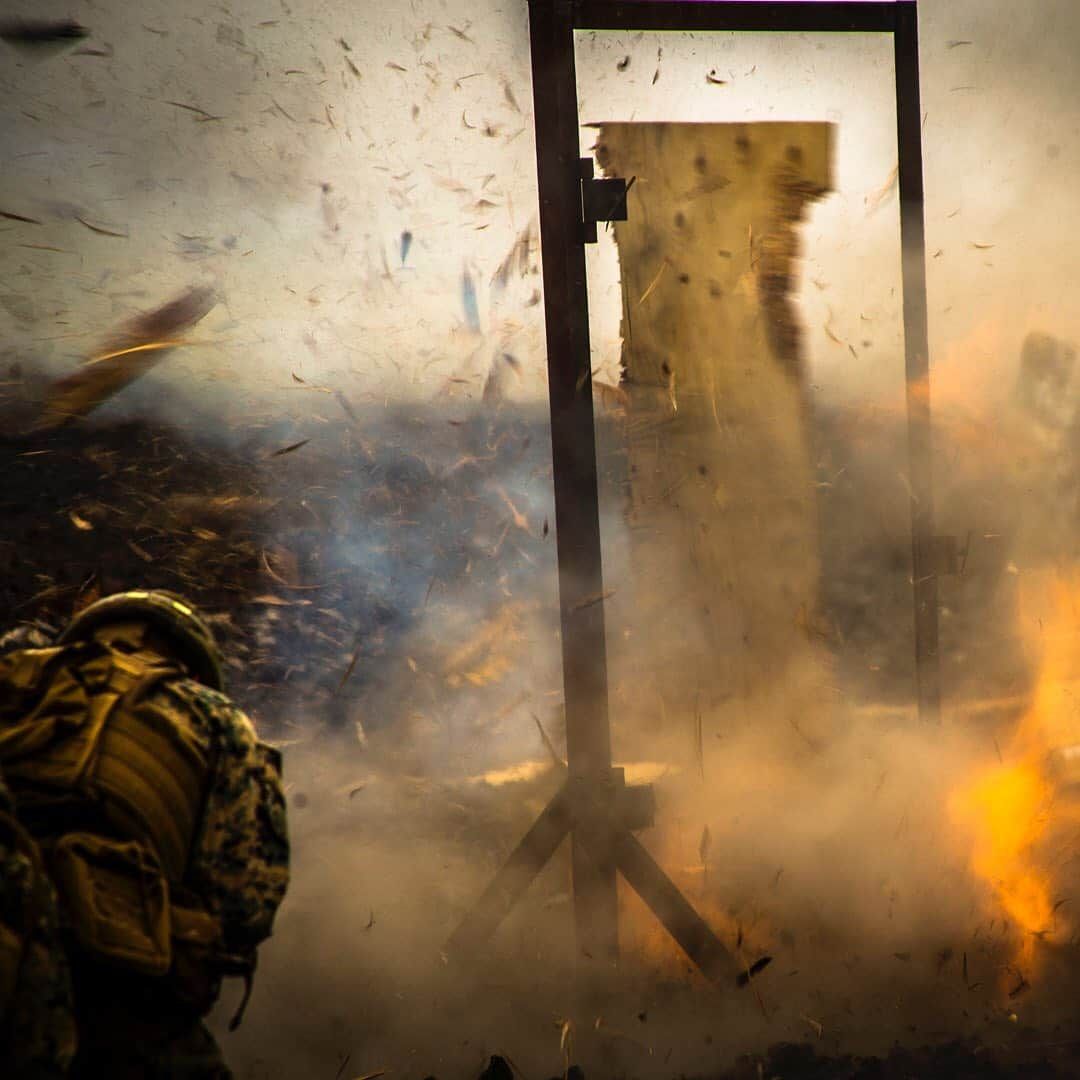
{"x": 159, "y": 814}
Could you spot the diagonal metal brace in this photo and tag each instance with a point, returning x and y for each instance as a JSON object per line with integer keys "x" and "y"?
{"x": 537, "y": 846}
{"x": 607, "y": 838}
{"x": 604, "y": 835}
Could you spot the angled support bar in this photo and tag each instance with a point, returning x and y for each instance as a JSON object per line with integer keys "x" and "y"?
{"x": 509, "y": 885}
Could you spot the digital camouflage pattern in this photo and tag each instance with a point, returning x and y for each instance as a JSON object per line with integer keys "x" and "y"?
{"x": 237, "y": 871}
{"x": 37, "y": 1023}
{"x": 240, "y": 864}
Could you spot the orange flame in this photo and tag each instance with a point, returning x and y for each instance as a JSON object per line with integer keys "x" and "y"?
{"x": 1005, "y": 808}
{"x": 1009, "y": 810}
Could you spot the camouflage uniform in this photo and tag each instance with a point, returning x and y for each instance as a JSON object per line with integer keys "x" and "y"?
{"x": 221, "y": 883}
{"x": 37, "y": 1024}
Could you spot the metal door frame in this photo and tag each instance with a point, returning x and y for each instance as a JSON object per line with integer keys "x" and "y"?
{"x": 592, "y": 807}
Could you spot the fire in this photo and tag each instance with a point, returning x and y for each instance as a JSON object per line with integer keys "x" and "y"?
{"x": 1010, "y": 809}
{"x": 1006, "y": 810}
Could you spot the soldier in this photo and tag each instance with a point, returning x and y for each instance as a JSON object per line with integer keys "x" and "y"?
{"x": 37, "y": 1025}
{"x": 160, "y": 818}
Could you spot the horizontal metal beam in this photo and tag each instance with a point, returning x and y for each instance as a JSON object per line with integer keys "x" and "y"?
{"x": 864, "y": 16}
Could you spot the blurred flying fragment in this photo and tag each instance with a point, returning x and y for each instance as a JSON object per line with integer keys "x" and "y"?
{"x": 201, "y": 114}
{"x": 556, "y": 759}
{"x": 345, "y": 678}
{"x": 41, "y": 35}
{"x": 878, "y": 196}
{"x": 612, "y": 399}
{"x": 329, "y": 212}
{"x": 705, "y": 845}
{"x": 87, "y": 51}
{"x": 714, "y": 80}
{"x": 406, "y": 244}
{"x": 132, "y": 352}
{"x": 517, "y": 258}
{"x": 343, "y": 401}
{"x": 758, "y": 965}
{"x": 590, "y": 600}
{"x": 468, "y": 300}
{"x": 290, "y": 448}
{"x": 289, "y": 567}
{"x": 18, "y": 217}
{"x": 100, "y": 229}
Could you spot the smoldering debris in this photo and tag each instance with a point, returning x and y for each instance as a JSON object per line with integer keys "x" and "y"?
{"x": 324, "y": 551}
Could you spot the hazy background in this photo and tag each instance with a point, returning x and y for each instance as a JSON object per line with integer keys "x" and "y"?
{"x": 444, "y": 150}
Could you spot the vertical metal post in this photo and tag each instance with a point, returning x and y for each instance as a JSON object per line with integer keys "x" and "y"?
{"x": 573, "y": 445}
{"x": 917, "y": 359}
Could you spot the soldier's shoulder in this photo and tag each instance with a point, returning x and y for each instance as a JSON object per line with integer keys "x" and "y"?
{"x": 216, "y": 710}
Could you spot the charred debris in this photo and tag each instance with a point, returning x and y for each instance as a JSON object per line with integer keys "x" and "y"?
{"x": 316, "y": 546}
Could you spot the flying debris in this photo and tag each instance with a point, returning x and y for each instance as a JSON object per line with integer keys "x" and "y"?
{"x": 144, "y": 342}
{"x": 329, "y": 212}
{"x": 100, "y": 229}
{"x": 758, "y": 965}
{"x": 18, "y": 217}
{"x": 406, "y": 244}
{"x": 468, "y": 300}
{"x": 201, "y": 114}
{"x": 495, "y": 383}
{"x": 517, "y": 258}
{"x": 290, "y": 448}
{"x": 41, "y": 35}
{"x": 875, "y": 198}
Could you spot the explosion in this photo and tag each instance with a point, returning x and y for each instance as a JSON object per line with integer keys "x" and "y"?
{"x": 1014, "y": 810}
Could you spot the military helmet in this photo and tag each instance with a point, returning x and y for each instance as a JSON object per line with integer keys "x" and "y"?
{"x": 166, "y": 612}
